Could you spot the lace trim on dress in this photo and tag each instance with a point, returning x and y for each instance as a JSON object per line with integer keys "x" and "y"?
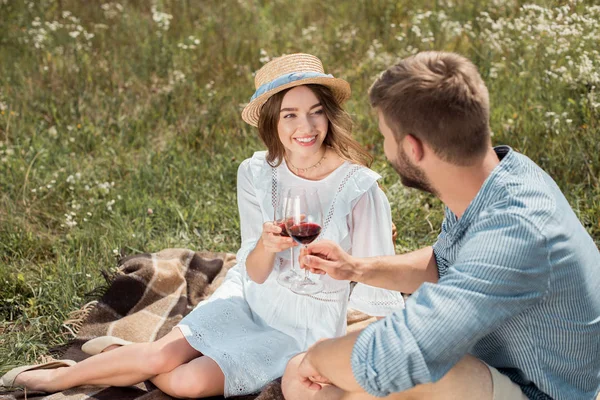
{"x": 325, "y": 296}
{"x": 274, "y": 188}
{"x": 341, "y": 187}
{"x": 334, "y": 296}
{"x": 329, "y": 216}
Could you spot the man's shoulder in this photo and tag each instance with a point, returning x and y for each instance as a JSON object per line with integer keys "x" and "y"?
{"x": 524, "y": 193}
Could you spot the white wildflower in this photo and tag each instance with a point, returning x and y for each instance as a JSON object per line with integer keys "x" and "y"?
{"x": 69, "y": 221}
{"x": 264, "y": 57}
{"x": 111, "y": 10}
{"x": 109, "y": 205}
{"x": 163, "y": 20}
{"x": 176, "y": 77}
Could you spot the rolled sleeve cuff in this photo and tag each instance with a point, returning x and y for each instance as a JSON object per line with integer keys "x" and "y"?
{"x": 364, "y": 374}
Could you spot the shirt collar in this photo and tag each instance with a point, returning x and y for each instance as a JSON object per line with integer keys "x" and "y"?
{"x": 487, "y": 194}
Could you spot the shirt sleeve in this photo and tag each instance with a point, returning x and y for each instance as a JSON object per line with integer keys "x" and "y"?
{"x": 371, "y": 232}
{"x": 502, "y": 269}
{"x": 251, "y": 220}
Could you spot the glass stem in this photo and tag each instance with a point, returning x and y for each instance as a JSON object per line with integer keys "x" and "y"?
{"x": 292, "y": 260}
{"x": 306, "y": 271}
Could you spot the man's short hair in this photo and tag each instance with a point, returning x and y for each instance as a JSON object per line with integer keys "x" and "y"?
{"x": 439, "y": 98}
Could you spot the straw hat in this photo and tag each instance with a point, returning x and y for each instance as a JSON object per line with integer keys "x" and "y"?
{"x": 288, "y": 71}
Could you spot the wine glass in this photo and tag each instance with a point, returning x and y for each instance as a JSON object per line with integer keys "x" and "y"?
{"x": 303, "y": 220}
{"x": 292, "y": 275}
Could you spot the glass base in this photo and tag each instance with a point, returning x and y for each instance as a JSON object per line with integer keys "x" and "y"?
{"x": 307, "y": 286}
{"x": 287, "y": 278}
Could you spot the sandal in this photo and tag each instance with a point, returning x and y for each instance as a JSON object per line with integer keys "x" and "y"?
{"x": 97, "y": 345}
{"x": 8, "y": 379}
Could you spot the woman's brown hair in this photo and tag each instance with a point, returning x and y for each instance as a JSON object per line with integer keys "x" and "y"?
{"x": 339, "y": 136}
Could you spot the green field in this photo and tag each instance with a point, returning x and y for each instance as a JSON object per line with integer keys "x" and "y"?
{"x": 120, "y": 127}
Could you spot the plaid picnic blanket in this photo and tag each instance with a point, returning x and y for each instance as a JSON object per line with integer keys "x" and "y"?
{"x": 148, "y": 296}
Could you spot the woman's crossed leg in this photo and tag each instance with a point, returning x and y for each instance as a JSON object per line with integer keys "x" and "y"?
{"x": 164, "y": 362}
{"x": 201, "y": 377}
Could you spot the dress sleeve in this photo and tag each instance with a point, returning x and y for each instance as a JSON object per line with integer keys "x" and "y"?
{"x": 250, "y": 214}
{"x": 371, "y": 232}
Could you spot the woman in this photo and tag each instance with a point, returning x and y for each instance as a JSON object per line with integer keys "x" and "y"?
{"x": 242, "y": 336}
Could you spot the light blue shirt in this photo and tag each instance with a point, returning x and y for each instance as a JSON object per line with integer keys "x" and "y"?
{"x": 519, "y": 288}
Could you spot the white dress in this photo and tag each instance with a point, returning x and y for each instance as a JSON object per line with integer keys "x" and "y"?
{"x": 251, "y": 330}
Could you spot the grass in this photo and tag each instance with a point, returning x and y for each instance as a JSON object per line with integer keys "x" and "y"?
{"x": 129, "y": 141}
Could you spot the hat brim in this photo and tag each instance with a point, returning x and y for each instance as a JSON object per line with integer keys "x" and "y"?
{"x": 339, "y": 87}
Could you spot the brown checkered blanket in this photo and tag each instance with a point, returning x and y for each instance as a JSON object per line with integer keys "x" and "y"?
{"x": 149, "y": 295}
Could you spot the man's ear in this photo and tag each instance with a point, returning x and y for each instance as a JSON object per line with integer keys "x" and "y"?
{"x": 414, "y": 148}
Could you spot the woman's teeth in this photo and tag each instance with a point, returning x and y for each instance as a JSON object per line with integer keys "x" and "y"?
{"x": 306, "y": 139}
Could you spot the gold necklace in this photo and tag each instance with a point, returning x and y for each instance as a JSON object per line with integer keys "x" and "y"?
{"x": 305, "y": 170}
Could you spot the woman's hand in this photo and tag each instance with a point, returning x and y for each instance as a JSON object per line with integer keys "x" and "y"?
{"x": 273, "y": 241}
{"x": 259, "y": 263}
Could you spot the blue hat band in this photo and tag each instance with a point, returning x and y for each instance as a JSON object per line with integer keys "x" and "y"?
{"x": 285, "y": 79}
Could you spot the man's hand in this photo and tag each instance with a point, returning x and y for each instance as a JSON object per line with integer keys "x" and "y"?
{"x": 309, "y": 376}
{"x": 326, "y": 257}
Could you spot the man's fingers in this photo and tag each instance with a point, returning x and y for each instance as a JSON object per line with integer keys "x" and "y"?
{"x": 310, "y": 384}
{"x": 325, "y": 248}
{"x": 321, "y": 380}
{"x": 316, "y": 271}
{"x": 314, "y": 263}
{"x": 304, "y": 252}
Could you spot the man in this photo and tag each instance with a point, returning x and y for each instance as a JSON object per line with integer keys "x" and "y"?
{"x": 506, "y": 303}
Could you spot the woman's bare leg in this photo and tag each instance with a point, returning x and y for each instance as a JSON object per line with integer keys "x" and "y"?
{"x": 124, "y": 366}
{"x": 201, "y": 377}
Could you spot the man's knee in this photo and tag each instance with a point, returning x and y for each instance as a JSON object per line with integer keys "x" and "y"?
{"x": 290, "y": 385}
{"x": 468, "y": 379}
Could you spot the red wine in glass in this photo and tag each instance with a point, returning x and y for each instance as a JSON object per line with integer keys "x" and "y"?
{"x": 283, "y": 229}
{"x": 305, "y": 233}
{"x": 303, "y": 217}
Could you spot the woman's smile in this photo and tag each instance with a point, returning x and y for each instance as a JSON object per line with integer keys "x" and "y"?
{"x": 306, "y": 140}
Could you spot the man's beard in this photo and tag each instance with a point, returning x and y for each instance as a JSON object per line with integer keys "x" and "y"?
{"x": 410, "y": 175}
